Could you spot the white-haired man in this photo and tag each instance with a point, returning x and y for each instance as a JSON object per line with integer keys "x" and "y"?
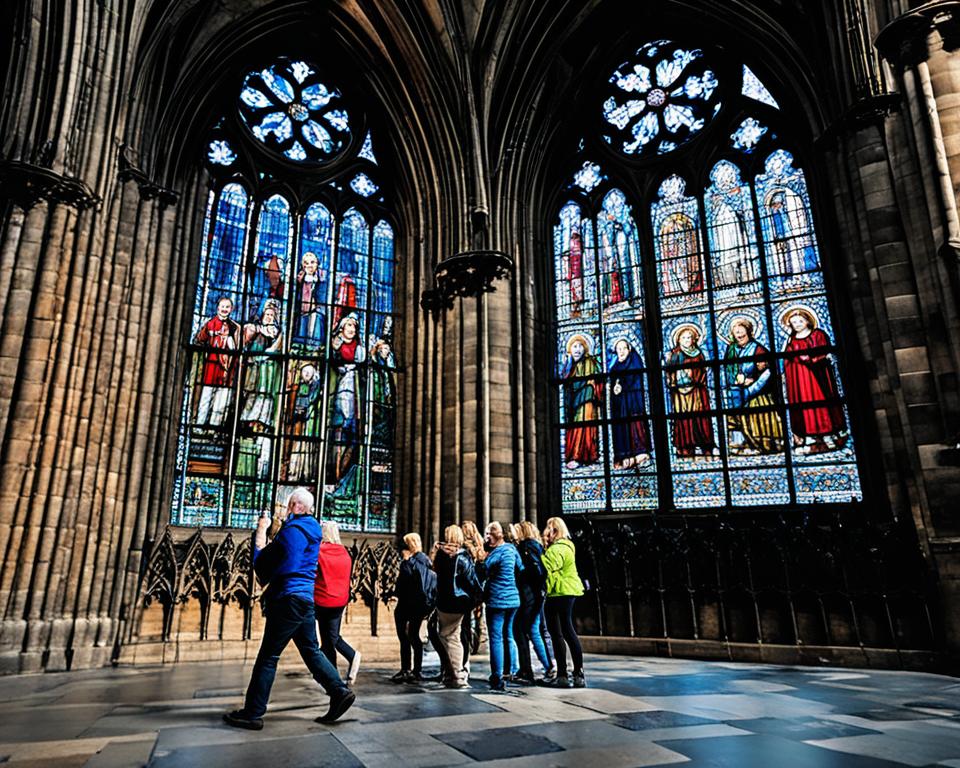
{"x": 289, "y": 565}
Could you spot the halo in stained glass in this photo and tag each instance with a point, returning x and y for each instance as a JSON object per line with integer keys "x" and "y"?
{"x": 661, "y": 98}
{"x": 219, "y": 152}
{"x": 289, "y": 110}
{"x": 748, "y": 134}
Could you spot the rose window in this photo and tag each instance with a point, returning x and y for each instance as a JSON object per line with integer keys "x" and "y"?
{"x": 660, "y": 99}
{"x": 289, "y": 110}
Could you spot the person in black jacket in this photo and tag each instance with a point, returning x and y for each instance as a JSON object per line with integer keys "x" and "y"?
{"x": 416, "y": 596}
{"x": 532, "y": 582}
{"x": 457, "y": 588}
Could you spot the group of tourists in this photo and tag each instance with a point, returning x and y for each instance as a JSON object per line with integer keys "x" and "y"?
{"x": 525, "y": 583}
{"x": 523, "y": 588}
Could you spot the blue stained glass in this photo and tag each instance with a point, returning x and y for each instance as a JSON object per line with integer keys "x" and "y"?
{"x": 382, "y": 268}
{"x": 254, "y": 98}
{"x": 317, "y": 135}
{"x": 317, "y": 96}
{"x": 219, "y": 152}
{"x": 675, "y": 116}
{"x": 618, "y": 250}
{"x": 366, "y": 152}
{"x": 677, "y": 247}
{"x": 732, "y": 236}
{"x": 352, "y": 262}
{"x": 754, "y": 89}
{"x": 296, "y": 151}
{"x": 222, "y": 271}
{"x": 669, "y": 69}
{"x": 588, "y": 177}
{"x": 338, "y": 119}
{"x": 277, "y": 85}
{"x": 276, "y": 123}
{"x": 267, "y": 279}
{"x": 202, "y": 501}
{"x": 698, "y": 86}
{"x": 748, "y": 134}
{"x": 574, "y": 260}
{"x": 301, "y": 70}
{"x": 363, "y": 185}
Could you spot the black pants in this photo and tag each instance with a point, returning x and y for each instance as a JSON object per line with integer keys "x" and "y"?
{"x": 408, "y": 631}
{"x": 560, "y": 623}
{"x": 466, "y": 635}
{"x": 328, "y": 619}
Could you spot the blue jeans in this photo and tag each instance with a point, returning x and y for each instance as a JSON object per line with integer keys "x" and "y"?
{"x": 532, "y": 630}
{"x": 499, "y": 626}
{"x": 288, "y": 618}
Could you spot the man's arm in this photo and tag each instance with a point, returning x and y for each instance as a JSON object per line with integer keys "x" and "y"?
{"x": 274, "y": 559}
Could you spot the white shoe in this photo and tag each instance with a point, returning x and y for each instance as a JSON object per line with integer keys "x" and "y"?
{"x": 354, "y": 668}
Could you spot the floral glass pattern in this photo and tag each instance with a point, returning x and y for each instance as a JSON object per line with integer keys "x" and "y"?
{"x": 660, "y": 98}
{"x": 290, "y": 110}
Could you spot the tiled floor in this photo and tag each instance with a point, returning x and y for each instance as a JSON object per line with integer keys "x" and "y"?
{"x": 636, "y": 712}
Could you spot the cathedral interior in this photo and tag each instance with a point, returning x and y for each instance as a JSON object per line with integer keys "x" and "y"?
{"x": 684, "y": 273}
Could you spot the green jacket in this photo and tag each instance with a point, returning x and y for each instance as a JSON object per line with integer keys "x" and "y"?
{"x": 560, "y": 560}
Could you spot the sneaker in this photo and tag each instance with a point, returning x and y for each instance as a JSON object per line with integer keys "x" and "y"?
{"x": 550, "y": 675}
{"x": 524, "y": 679}
{"x": 340, "y": 702}
{"x": 560, "y": 681}
{"x": 239, "y": 719}
{"x": 456, "y": 684}
{"x": 354, "y": 668}
{"x": 578, "y": 680}
{"x": 403, "y": 676}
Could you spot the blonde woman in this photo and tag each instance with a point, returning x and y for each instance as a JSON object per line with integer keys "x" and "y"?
{"x": 471, "y": 628}
{"x": 331, "y": 593}
{"x": 563, "y": 588}
{"x": 416, "y": 595}
{"x": 529, "y": 625}
{"x": 457, "y": 587}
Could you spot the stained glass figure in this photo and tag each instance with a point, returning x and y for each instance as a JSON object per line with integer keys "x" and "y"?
{"x": 689, "y": 394}
{"x": 731, "y": 235}
{"x": 617, "y": 246}
{"x": 631, "y": 429}
{"x": 304, "y": 423}
{"x": 220, "y": 336}
{"x": 288, "y": 109}
{"x": 312, "y": 283}
{"x": 268, "y": 272}
{"x": 353, "y": 251}
{"x": 583, "y": 401}
{"x": 754, "y": 89}
{"x": 663, "y": 92}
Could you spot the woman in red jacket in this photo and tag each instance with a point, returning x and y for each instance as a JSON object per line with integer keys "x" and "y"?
{"x": 331, "y": 594}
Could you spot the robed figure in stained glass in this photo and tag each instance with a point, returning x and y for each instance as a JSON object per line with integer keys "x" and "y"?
{"x": 381, "y": 376}
{"x": 631, "y": 433}
{"x": 263, "y": 371}
{"x": 756, "y": 428}
{"x": 818, "y": 425}
{"x": 309, "y": 298}
{"x": 615, "y": 257}
{"x": 575, "y": 273}
{"x": 788, "y": 224}
{"x": 687, "y": 383}
{"x": 682, "y": 270}
{"x": 221, "y": 336}
{"x": 583, "y": 402}
{"x": 346, "y": 352}
{"x": 304, "y": 423}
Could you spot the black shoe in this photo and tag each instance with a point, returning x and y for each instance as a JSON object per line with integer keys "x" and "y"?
{"x": 497, "y": 684}
{"x": 416, "y": 677}
{"x": 561, "y": 681}
{"x": 238, "y": 719}
{"x": 340, "y": 702}
{"x": 524, "y": 679}
{"x": 403, "y": 676}
{"x": 578, "y": 680}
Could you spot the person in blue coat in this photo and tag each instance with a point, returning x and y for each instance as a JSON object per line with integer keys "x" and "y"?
{"x": 288, "y": 565}
{"x": 499, "y": 571}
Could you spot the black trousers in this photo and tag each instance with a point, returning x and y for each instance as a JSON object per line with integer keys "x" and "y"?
{"x": 328, "y": 620}
{"x": 560, "y": 624}
{"x": 411, "y": 646}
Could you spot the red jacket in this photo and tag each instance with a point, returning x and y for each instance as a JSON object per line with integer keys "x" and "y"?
{"x": 332, "y": 588}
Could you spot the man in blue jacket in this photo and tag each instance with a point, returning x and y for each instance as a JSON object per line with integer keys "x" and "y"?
{"x": 289, "y": 565}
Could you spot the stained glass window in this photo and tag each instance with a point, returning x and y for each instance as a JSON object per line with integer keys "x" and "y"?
{"x": 736, "y": 398}
{"x": 291, "y": 367}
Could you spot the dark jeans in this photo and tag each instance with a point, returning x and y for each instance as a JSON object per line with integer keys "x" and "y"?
{"x": 331, "y": 642}
{"x": 408, "y": 631}
{"x": 527, "y": 629}
{"x": 560, "y": 623}
{"x": 288, "y": 618}
{"x": 466, "y": 635}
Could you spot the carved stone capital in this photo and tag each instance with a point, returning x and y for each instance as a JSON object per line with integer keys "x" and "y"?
{"x": 25, "y": 184}
{"x": 903, "y": 42}
{"x": 149, "y": 189}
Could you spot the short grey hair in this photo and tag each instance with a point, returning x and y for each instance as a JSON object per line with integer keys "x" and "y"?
{"x": 331, "y": 532}
{"x": 303, "y": 497}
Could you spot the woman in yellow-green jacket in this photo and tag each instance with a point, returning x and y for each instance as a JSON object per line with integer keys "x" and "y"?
{"x": 563, "y": 587}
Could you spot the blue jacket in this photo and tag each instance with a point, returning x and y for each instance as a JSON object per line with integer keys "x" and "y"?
{"x": 289, "y": 562}
{"x": 500, "y": 571}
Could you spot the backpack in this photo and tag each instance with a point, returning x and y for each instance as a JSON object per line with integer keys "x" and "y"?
{"x": 422, "y": 595}
{"x": 534, "y": 571}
